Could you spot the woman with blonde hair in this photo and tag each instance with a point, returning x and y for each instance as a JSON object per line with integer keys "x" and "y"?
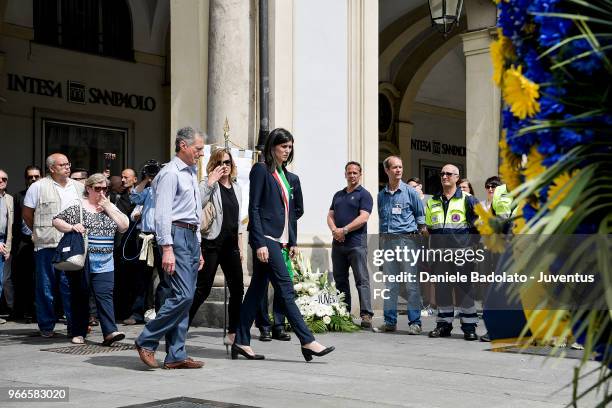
{"x": 222, "y": 240}
{"x": 97, "y": 217}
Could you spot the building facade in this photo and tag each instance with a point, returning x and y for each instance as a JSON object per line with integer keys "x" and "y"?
{"x": 89, "y": 77}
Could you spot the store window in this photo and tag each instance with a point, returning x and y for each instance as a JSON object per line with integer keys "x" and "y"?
{"x": 101, "y": 27}
{"x": 85, "y": 145}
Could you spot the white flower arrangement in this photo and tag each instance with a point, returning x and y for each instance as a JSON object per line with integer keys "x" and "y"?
{"x": 319, "y": 302}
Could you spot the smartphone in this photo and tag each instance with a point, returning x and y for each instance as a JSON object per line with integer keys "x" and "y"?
{"x": 108, "y": 160}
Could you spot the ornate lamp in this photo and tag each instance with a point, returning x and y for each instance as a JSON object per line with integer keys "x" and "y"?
{"x": 445, "y": 14}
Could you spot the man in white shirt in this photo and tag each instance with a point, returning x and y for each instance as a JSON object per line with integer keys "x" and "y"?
{"x": 44, "y": 199}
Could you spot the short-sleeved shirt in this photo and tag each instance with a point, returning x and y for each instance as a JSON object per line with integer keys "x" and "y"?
{"x": 101, "y": 231}
{"x": 346, "y": 207}
{"x": 68, "y": 194}
{"x": 401, "y": 211}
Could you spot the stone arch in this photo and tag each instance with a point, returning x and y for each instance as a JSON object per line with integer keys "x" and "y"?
{"x": 401, "y": 32}
{"x": 409, "y": 79}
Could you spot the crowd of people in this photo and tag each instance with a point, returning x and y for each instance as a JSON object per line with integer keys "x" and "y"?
{"x": 156, "y": 244}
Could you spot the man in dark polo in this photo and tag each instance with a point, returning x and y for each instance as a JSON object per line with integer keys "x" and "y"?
{"x": 347, "y": 219}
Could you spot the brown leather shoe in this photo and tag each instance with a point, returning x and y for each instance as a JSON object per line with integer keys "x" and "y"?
{"x": 147, "y": 356}
{"x": 187, "y": 363}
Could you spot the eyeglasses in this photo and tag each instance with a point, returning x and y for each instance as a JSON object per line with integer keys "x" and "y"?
{"x": 488, "y": 186}
{"x": 99, "y": 189}
{"x": 224, "y": 162}
{"x": 447, "y": 174}
{"x": 5, "y": 179}
{"x": 63, "y": 164}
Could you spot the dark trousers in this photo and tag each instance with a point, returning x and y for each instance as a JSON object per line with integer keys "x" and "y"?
{"x": 262, "y": 319}
{"x": 47, "y": 279}
{"x": 274, "y": 271}
{"x": 23, "y": 267}
{"x": 463, "y": 295}
{"x": 355, "y": 258}
{"x": 125, "y": 270}
{"x": 221, "y": 251}
{"x": 101, "y": 284}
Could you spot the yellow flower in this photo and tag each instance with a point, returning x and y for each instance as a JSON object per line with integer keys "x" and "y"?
{"x": 520, "y": 93}
{"x": 561, "y": 185}
{"x": 502, "y": 51}
{"x": 534, "y": 164}
{"x": 483, "y": 224}
{"x": 495, "y": 242}
{"x": 519, "y": 223}
{"x": 509, "y": 166}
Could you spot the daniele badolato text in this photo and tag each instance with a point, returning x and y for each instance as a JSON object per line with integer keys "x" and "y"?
{"x": 477, "y": 277}
{"x": 458, "y": 257}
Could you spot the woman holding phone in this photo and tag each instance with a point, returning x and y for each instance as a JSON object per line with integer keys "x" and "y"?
{"x": 97, "y": 217}
{"x": 222, "y": 241}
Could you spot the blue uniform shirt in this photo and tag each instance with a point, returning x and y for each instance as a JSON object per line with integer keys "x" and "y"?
{"x": 400, "y": 212}
{"x": 346, "y": 207}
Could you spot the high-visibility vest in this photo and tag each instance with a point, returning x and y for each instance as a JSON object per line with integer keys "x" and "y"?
{"x": 454, "y": 221}
{"x": 502, "y": 202}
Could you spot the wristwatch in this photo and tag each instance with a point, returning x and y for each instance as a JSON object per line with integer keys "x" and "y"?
{"x": 345, "y": 230}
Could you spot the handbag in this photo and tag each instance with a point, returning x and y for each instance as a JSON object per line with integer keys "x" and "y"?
{"x": 208, "y": 216}
{"x": 71, "y": 251}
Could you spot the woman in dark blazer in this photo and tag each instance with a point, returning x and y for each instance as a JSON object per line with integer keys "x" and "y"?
{"x": 272, "y": 230}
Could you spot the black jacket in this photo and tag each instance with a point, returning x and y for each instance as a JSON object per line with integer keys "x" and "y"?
{"x": 266, "y": 208}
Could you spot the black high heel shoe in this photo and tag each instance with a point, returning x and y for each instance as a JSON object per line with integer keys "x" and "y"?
{"x": 238, "y": 350}
{"x": 308, "y": 353}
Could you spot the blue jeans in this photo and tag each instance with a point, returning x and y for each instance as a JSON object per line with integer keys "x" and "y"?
{"x": 396, "y": 269}
{"x": 172, "y": 320}
{"x": 46, "y": 276}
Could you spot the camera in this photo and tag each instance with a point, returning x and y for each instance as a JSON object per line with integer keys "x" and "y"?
{"x": 151, "y": 168}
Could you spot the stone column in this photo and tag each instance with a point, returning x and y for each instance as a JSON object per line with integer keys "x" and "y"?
{"x": 188, "y": 65}
{"x": 482, "y": 109}
{"x": 230, "y": 71}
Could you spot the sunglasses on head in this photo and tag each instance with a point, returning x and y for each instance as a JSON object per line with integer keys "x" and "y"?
{"x": 447, "y": 174}
{"x": 225, "y": 162}
{"x": 99, "y": 189}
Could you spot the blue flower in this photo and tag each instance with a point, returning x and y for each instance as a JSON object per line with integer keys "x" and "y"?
{"x": 517, "y": 144}
{"x": 512, "y": 16}
{"x": 552, "y": 29}
{"x": 587, "y": 64}
{"x": 535, "y": 69}
{"x": 543, "y": 193}
{"x": 528, "y": 212}
{"x": 552, "y": 159}
{"x": 550, "y": 102}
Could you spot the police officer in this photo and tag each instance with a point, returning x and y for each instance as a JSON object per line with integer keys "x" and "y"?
{"x": 450, "y": 217}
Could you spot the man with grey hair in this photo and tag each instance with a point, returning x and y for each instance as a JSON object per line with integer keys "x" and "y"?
{"x": 178, "y": 210}
{"x": 45, "y": 199}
